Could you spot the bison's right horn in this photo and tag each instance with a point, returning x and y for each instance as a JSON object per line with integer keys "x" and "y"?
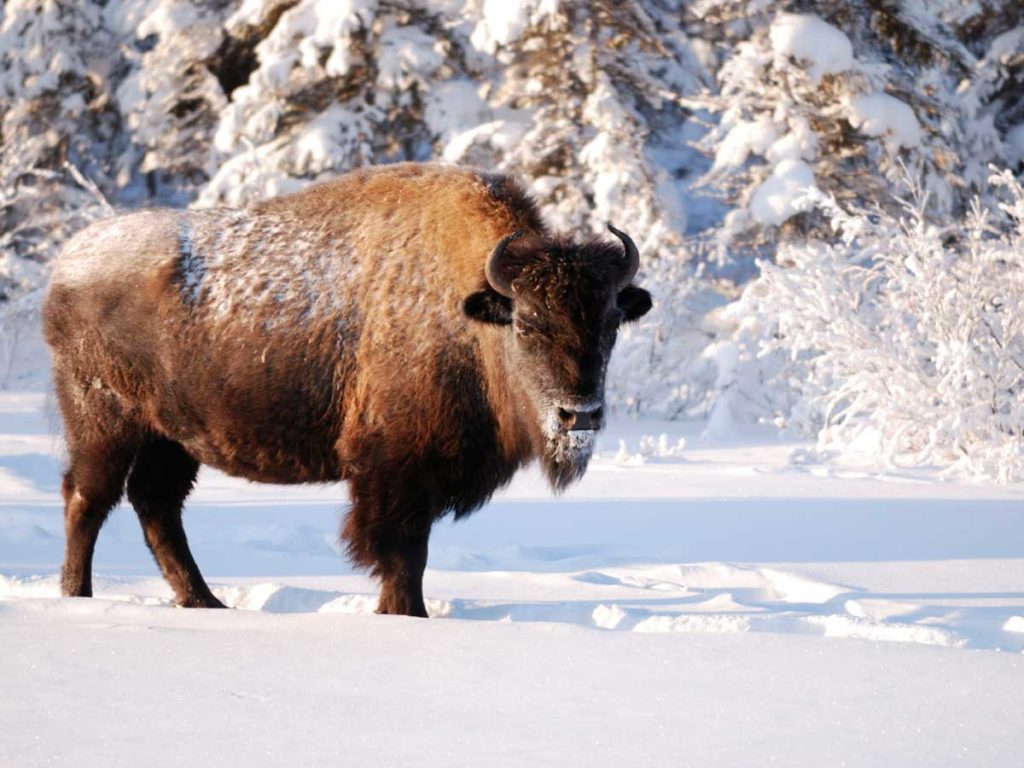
{"x": 632, "y": 256}
{"x": 495, "y": 274}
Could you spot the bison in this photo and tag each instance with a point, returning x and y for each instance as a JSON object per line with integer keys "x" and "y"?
{"x": 413, "y": 329}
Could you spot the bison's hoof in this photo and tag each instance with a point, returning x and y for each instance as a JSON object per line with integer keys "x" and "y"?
{"x": 201, "y": 602}
{"x": 402, "y": 608}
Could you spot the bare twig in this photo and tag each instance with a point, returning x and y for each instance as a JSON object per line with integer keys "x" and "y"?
{"x": 88, "y": 185}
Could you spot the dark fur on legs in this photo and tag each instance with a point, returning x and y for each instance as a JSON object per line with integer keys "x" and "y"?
{"x": 387, "y": 531}
{"x": 401, "y": 574}
{"x": 160, "y": 481}
{"x": 92, "y": 486}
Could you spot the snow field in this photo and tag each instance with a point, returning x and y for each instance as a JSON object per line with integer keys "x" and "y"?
{"x": 257, "y": 689}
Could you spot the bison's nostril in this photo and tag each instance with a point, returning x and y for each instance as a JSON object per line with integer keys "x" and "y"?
{"x": 584, "y": 419}
{"x": 567, "y": 418}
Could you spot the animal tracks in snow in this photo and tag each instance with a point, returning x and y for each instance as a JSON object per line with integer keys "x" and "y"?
{"x": 707, "y": 598}
{"x": 696, "y": 598}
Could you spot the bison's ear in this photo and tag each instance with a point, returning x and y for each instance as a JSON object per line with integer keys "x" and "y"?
{"x": 634, "y": 302}
{"x": 488, "y": 306}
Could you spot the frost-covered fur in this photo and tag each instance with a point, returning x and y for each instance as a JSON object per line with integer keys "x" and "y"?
{"x": 344, "y": 332}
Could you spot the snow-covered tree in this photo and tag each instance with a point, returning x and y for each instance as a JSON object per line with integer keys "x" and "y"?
{"x": 56, "y": 108}
{"x": 168, "y": 95}
{"x": 843, "y": 96}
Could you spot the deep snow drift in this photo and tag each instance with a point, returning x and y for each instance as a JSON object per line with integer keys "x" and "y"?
{"x": 706, "y": 603}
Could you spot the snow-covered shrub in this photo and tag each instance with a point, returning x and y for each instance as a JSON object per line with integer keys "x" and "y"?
{"x": 902, "y": 339}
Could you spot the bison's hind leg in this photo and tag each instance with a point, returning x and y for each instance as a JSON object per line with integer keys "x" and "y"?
{"x": 102, "y": 440}
{"x": 92, "y": 486}
{"x": 161, "y": 479}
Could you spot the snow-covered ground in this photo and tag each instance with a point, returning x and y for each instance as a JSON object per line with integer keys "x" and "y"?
{"x": 713, "y": 604}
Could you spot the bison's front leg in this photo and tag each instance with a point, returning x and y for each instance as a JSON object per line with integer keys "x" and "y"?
{"x": 387, "y": 531}
{"x": 401, "y": 574}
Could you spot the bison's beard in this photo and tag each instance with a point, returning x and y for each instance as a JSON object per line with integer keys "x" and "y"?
{"x": 566, "y": 455}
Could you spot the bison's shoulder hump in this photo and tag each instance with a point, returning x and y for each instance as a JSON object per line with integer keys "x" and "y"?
{"x": 419, "y": 185}
{"x": 509, "y": 193}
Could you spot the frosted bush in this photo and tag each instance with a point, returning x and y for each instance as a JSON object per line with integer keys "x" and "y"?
{"x": 903, "y": 339}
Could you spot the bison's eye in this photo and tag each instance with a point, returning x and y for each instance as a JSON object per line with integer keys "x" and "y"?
{"x": 529, "y": 326}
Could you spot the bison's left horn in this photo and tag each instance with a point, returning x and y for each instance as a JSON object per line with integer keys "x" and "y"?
{"x": 496, "y": 275}
{"x": 632, "y": 256}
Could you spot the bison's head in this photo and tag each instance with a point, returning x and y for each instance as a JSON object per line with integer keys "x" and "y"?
{"x": 562, "y": 304}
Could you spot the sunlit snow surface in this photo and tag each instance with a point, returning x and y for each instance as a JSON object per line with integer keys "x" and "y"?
{"x": 690, "y": 602}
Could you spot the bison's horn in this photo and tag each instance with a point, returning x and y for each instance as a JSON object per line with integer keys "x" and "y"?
{"x": 632, "y": 256}
{"x": 496, "y": 276}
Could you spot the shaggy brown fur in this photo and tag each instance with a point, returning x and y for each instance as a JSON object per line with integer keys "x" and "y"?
{"x": 344, "y": 332}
